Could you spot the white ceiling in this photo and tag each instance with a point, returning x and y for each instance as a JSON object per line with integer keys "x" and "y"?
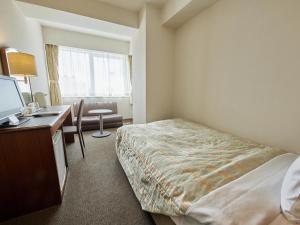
{"x": 133, "y": 5}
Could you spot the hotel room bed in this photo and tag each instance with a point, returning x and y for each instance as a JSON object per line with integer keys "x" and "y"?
{"x": 187, "y": 171}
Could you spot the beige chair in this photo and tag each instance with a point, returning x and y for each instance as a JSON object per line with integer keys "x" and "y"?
{"x": 77, "y": 129}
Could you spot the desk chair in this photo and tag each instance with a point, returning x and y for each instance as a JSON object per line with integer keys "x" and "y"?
{"x": 77, "y": 129}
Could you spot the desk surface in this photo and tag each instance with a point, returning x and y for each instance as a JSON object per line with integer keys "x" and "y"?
{"x": 42, "y": 122}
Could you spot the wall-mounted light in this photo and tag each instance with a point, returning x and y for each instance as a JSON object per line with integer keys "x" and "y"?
{"x": 18, "y": 64}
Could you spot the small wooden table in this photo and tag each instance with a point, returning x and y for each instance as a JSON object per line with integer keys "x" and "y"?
{"x": 101, "y": 112}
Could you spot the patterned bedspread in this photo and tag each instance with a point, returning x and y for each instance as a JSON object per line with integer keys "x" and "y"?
{"x": 171, "y": 164}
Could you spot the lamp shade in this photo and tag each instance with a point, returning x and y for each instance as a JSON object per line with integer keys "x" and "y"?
{"x": 21, "y": 64}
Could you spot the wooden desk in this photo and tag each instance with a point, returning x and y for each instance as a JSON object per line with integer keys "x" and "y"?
{"x": 29, "y": 177}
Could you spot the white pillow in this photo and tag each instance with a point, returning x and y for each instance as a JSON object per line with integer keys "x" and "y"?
{"x": 290, "y": 193}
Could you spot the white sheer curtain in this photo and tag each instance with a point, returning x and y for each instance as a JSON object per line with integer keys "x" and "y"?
{"x": 86, "y": 73}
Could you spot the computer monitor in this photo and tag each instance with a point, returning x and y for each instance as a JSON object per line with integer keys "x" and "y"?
{"x": 11, "y": 100}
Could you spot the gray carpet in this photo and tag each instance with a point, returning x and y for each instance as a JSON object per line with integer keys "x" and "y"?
{"x": 97, "y": 191}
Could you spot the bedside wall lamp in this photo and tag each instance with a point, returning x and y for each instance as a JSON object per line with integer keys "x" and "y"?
{"x": 19, "y": 64}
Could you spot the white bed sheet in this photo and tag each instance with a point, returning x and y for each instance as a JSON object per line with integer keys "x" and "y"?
{"x": 253, "y": 199}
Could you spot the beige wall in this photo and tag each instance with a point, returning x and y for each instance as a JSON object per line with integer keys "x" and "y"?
{"x": 25, "y": 35}
{"x": 237, "y": 69}
{"x": 153, "y": 60}
{"x": 172, "y": 7}
{"x": 159, "y": 67}
{"x": 153, "y": 48}
{"x": 177, "y": 12}
{"x": 85, "y": 41}
{"x": 139, "y": 72}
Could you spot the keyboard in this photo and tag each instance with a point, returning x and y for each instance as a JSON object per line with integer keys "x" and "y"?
{"x": 47, "y": 113}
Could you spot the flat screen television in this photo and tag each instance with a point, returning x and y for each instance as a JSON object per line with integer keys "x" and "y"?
{"x": 11, "y": 101}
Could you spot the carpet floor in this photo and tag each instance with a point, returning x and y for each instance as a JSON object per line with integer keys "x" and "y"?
{"x": 97, "y": 191}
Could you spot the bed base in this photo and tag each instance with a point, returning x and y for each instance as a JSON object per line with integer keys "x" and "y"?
{"x": 160, "y": 219}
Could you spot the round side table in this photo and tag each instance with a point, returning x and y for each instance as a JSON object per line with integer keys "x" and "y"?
{"x": 101, "y": 133}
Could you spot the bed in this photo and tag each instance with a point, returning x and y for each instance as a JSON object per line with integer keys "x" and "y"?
{"x": 184, "y": 170}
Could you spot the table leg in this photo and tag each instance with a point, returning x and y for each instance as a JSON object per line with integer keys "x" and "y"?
{"x": 101, "y": 133}
{"x": 101, "y": 123}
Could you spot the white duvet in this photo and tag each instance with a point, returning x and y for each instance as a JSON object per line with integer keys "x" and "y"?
{"x": 253, "y": 199}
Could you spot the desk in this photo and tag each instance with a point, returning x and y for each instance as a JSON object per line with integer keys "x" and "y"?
{"x": 29, "y": 179}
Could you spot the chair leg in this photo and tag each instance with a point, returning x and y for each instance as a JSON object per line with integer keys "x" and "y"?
{"x": 81, "y": 144}
{"x": 82, "y": 138}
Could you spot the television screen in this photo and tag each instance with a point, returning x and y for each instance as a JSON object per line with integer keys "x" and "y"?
{"x": 11, "y": 102}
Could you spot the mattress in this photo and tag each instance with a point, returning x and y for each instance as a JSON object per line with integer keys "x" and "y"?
{"x": 171, "y": 164}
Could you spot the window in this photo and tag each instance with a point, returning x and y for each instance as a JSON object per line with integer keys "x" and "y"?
{"x": 86, "y": 73}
